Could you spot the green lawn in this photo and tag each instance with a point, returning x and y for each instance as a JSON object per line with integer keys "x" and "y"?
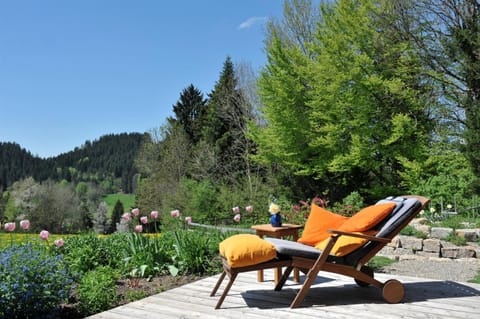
{"x": 128, "y": 201}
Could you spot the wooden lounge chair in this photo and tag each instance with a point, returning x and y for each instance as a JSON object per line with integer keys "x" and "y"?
{"x": 311, "y": 260}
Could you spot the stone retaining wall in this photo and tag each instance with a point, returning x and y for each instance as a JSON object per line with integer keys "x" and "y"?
{"x": 434, "y": 246}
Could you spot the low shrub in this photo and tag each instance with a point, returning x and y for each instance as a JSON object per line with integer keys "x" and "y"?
{"x": 456, "y": 240}
{"x": 378, "y": 262}
{"x": 34, "y": 282}
{"x": 409, "y": 230}
{"x": 97, "y": 290}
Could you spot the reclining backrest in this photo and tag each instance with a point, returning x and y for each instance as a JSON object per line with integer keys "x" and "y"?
{"x": 403, "y": 212}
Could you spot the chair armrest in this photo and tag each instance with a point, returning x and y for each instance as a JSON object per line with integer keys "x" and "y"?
{"x": 372, "y": 238}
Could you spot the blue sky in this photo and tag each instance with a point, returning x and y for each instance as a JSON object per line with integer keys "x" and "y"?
{"x": 75, "y": 70}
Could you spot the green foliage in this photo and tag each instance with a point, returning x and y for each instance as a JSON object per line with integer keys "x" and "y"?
{"x": 350, "y": 204}
{"x": 378, "y": 262}
{"x": 476, "y": 280}
{"x": 456, "y": 240}
{"x": 97, "y": 290}
{"x": 89, "y": 251}
{"x": 195, "y": 252}
{"x": 109, "y": 157}
{"x": 343, "y": 108}
{"x": 411, "y": 231}
{"x": 33, "y": 282}
{"x": 127, "y": 200}
{"x": 117, "y": 213}
{"x": 146, "y": 255}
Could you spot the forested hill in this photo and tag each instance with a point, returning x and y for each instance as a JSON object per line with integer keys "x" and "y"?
{"x": 108, "y": 160}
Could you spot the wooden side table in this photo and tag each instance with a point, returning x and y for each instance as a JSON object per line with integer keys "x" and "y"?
{"x": 278, "y": 232}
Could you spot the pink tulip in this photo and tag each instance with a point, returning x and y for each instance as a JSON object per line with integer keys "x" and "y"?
{"x": 138, "y": 228}
{"x": 126, "y": 216}
{"x": 144, "y": 219}
{"x": 136, "y": 212}
{"x": 236, "y": 218}
{"x": 188, "y": 219}
{"x": 249, "y": 209}
{"x": 236, "y": 209}
{"x": 175, "y": 213}
{"x": 25, "y": 224}
{"x": 44, "y": 234}
{"x": 59, "y": 242}
{"x": 9, "y": 226}
{"x": 154, "y": 214}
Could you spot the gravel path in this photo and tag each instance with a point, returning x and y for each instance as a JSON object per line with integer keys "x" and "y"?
{"x": 460, "y": 270}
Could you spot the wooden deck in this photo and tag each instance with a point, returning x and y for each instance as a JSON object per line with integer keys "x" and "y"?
{"x": 332, "y": 296}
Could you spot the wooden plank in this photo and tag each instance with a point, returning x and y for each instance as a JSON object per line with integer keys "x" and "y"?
{"x": 331, "y": 295}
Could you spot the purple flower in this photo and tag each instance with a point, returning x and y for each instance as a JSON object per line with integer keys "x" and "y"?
{"x": 236, "y": 209}
{"x": 144, "y": 219}
{"x": 127, "y": 217}
{"x": 237, "y": 218}
{"x": 188, "y": 219}
{"x": 138, "y": 228}
{"x": 154, "y": 214}
{"x": 249, "y": 208}
{"x": 175, "y": 213}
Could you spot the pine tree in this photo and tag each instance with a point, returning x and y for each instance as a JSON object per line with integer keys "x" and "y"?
{"x": 116, "y": 216}
{"x": 226, "y": 124}
{"x": 189, "y": 112}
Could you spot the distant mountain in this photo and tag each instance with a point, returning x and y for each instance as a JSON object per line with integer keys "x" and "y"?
{"x": 108, "y": 160}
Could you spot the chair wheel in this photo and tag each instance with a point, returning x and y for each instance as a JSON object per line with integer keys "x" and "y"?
{"x": 393, "y": 291}
{"x": 367, "y": 271}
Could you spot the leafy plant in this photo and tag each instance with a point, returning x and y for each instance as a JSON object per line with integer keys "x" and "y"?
{"x": 456, "y": 240}
{"x": 378, "y": 262}
{"x": 97, "y": 290}
{"x": 33, "y": 282}
{"x": 409, "y": 230}
{"x": 87, "y": 251}
{"x": 195, "y": 251}
{"x": 476, "y": 279}
{"x": 146, "y": 255}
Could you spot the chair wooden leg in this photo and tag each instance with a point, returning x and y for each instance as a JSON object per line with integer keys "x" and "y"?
{"x": 219, "y": 282}
{"x": 233, "y": 276}
{"x": 312, "y": 274}
{"x": 283, "y": 279}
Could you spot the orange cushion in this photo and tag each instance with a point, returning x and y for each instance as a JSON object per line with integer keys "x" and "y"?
{"x": 246, "y": 249}
{"x": 346, "y": 244}
{"x": 318, "y": 222}
{"x": 367, "y": 218}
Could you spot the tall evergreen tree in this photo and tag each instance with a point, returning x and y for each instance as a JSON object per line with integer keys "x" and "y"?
{"x": 116, "y": 216}
{"x": 226, "y": 124}
{"x": 189, "y": 112}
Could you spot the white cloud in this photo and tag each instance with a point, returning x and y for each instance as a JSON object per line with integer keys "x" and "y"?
{"x": 251, "y": 21}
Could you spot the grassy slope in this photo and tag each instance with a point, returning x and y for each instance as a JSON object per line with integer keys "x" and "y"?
{"x": 128, "y": 201}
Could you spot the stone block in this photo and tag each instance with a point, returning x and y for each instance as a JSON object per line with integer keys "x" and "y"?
{"x": 458, "y": 252}
{"x": 429, "y": 254}
{"x": 395, "y": 243}
{"x": 402, "y": 252}
{"x": 412, "y": 243}
{"x": 387, "y": 251}
{"x": 419, "y": 221}
{"x": 432, "y": 245}
{"x": 468, "y": 234}
{"x": 440, "y": 232}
